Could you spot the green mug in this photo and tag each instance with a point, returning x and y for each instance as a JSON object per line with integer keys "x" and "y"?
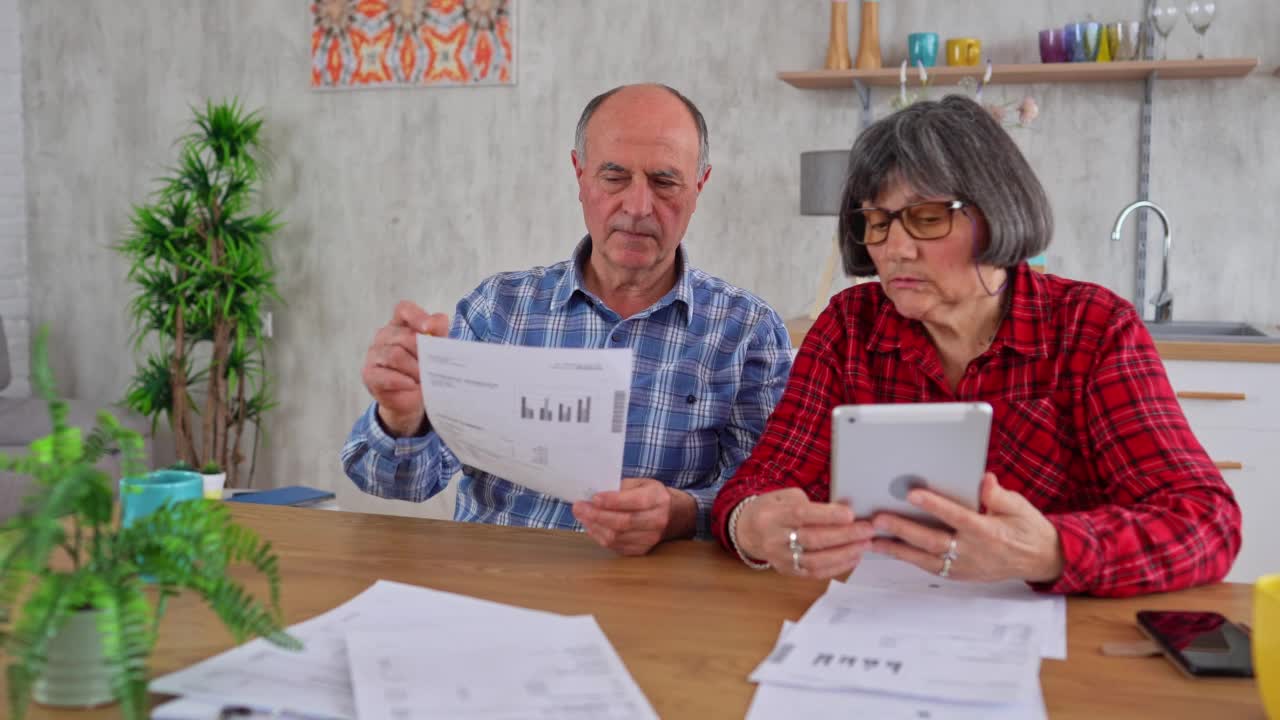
{"x": 141, "y": 496}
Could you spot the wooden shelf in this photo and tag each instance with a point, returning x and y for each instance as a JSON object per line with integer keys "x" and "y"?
{"x": 1029, "y": 73}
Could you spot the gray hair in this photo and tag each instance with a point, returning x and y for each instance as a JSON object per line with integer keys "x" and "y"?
{"x": 704, "y": 148}
{"x": 948, "y": 148}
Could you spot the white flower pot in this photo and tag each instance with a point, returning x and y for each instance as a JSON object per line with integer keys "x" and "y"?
{"x": 213, "y": 485}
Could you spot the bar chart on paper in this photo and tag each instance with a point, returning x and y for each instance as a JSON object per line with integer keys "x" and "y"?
{"x": 551, "y": 419}
{"x": 545, "y": 408}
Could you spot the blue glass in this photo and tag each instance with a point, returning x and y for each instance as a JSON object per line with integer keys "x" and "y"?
{"x": 1074, "y": 40}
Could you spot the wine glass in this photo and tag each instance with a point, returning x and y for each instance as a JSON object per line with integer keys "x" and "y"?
{"x": 1200, "y": 14}
{"x": 1164, "y": 15}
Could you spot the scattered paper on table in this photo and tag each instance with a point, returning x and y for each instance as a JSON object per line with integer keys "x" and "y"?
{"x": 551, "y": 419}
{"x": 1014, "y": 601}
{"x": 869, "y": 606}
{"x": 316, "y": 681}
{"x": 780, "y": 702}
{"x": 561, "y": 669}
{"x": 992, "y": 663}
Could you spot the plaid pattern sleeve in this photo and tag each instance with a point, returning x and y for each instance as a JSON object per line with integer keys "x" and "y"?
{"x": 795, "y": 449}
{"x": 710, "y": 362}
{"x": 761, "y": 386}
{"x": 412, "y": 468}
{"x": 1085, "y": 426}
{"x": 1169, "y": 521}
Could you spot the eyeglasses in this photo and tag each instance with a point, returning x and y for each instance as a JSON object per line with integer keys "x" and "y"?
{"x": 923, "y": 221}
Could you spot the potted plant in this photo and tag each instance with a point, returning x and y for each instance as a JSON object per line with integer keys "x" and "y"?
{"x": 200, "y": 258}
{"x": 215, "y": 478}
{"x": 77, "y": 621}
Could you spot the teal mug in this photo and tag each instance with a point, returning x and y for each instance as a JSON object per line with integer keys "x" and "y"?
{"x": 141, "y": 496}
{"x": 922, "y": 49}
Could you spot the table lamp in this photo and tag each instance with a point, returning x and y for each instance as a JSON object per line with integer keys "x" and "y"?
{"x": 822, "y": 177}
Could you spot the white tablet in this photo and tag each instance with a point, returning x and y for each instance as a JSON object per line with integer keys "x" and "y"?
{"x": 880, "y": 452}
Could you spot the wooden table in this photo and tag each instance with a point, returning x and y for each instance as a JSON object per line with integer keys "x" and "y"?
{"x": 689, "y": 620}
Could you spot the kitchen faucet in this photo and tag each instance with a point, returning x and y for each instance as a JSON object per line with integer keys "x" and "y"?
{"x": 1163, "y": 299}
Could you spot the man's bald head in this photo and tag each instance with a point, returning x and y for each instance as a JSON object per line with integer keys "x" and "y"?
{"x": 644, "y": 94}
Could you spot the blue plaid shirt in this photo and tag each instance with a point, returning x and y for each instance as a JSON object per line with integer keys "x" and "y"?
{"x": 710, "y": 362}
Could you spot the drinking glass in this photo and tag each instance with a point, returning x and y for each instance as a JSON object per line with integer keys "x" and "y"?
{"x": 1126, "y": 40}
{"x": 1164, "y": 16}
{"x": 1200, "y": 15}
{"x": 1093, "y": 39}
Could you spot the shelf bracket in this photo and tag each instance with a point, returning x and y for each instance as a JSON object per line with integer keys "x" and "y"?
{"x": 864, "y": 100}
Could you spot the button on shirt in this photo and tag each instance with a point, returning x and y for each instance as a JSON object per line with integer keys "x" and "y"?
{"x": 1085, "y": 426}
{"x": 710, "y": 363}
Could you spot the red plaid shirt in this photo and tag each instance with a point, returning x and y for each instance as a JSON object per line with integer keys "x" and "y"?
{"x": 1086, "y": 427}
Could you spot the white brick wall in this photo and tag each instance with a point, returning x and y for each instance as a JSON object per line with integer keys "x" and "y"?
{"x": 15, "y": 294}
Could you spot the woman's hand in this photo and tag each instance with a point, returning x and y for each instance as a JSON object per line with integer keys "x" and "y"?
{"x": 832, "y": 541}
{"x": 1013, "y": 540}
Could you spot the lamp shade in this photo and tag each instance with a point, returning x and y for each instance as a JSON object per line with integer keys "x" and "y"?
{"x": 822, "y": 176}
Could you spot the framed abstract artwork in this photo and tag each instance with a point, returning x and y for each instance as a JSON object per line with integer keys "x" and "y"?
{"x": 412, "y": 43}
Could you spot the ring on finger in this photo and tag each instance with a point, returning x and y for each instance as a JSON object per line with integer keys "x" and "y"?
{"x": 951, "y": 550}
{"x": 946, "y": 566}
{"x": 797, "y": 550}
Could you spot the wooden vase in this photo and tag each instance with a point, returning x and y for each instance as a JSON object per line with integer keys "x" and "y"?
{"x": 869, "y": 36}
{"x": 838, "y": 44}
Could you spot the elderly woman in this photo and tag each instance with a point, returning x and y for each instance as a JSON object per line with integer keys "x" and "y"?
{"x": 1095, "y": 483}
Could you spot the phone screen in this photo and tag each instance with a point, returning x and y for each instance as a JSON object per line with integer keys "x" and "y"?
{"x": 1201, "y": 643}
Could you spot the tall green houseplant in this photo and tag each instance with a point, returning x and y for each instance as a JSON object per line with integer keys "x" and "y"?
{"x": 199, "y": 255}
{"x": 67, "y": 566}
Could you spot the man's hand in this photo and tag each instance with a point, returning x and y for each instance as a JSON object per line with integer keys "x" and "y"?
{"x": 391, "y": 367}
{"x": 832, "y": 541}
{"x": 1012, "y": 541}
{"x": 631, "y": 521}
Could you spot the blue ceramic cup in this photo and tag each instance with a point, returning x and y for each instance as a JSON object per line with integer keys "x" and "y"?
{"x": 922, "y": 48}
{"x": 1073, "y": 37}
{"x": 141, "y": 496}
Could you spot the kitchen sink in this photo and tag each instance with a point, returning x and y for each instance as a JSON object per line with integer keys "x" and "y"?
{"x": 1209, "y": 332}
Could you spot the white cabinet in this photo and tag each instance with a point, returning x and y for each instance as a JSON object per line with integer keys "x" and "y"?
{"x": 1234, "y": 410}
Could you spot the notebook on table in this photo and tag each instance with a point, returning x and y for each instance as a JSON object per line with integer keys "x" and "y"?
{"x": 294, "y": 495}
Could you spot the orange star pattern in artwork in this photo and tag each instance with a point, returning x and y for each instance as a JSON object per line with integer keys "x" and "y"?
{"x": 446, "y": 61}
{"x": 372, "y": 67}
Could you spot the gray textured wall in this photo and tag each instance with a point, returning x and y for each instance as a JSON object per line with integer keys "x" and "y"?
{"x": 419, "y": 194}
{"x": 15, "y": 295}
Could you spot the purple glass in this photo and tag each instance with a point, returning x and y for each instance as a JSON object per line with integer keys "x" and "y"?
{"x": 1053, "y": 46}
{"x": 1073, "y": 37}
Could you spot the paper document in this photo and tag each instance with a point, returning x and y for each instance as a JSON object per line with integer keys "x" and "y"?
{"x": 780, "y": 702}
{"x": 1017, "y": 603}
{"x": 562, "y": 669}
{"x": 879, "y": 607}
{"x": 996, "y": 664}
{"x": 553, "y": 420}
{"x": 316, "y": 681}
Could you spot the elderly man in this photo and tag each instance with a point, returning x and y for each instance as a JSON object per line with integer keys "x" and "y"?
{"x": 711, "y": 360}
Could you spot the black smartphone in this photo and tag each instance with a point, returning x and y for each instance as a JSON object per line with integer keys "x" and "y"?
{"x": 1201, "y": 644}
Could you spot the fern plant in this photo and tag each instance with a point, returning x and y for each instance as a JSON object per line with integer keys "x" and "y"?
{"x": 64, "y": 553}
